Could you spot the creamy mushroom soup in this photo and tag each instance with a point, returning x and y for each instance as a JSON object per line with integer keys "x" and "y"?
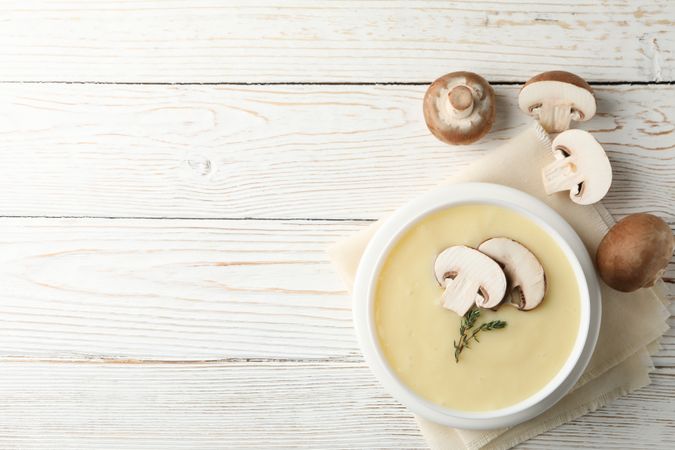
{"x": 416, "y": 332}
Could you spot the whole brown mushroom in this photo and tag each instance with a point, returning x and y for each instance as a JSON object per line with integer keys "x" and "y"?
{"x": 459, "y": 107}
{"x": 635, "y": 252}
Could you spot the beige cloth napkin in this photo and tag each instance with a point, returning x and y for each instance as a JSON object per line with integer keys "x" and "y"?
{"x": 632, "y": 324}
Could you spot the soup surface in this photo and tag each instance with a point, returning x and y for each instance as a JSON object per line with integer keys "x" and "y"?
{"x": 416, "y": 333}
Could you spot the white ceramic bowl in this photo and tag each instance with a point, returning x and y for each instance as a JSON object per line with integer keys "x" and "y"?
{"x": 549, "y": 220}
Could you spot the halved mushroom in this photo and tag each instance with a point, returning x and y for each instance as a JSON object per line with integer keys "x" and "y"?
{"x": 524, "y": 274}
{"x": 555, "y": 98}
{"x": 469, "y": 277}
{"x": 581, "y": 167}
{"x": 635, "y": 252}
{"x": 459, "y": 108}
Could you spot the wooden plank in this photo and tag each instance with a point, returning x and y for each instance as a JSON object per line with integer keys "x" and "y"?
{"x": 225, "y": 405}
{"x": 177, "y": 290}
{"x": 271, "y": 41}
{"x": 262, "y": 405}
{"x": 280, "y": 151}
{"x": 166, "y": 289}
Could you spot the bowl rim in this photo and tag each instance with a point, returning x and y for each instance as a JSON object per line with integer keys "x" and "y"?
{"x": 545, "y": 217}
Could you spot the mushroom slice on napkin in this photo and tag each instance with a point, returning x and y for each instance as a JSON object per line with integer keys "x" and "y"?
{"x": 581, "y": 167}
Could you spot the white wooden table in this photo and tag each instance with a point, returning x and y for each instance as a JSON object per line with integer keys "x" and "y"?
{"x": 171, "y": 173}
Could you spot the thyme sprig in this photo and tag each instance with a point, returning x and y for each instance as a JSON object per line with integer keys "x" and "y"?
{"x": 467, "y": 332}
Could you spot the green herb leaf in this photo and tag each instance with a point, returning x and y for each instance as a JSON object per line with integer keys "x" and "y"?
{"x": 467, "y": 324}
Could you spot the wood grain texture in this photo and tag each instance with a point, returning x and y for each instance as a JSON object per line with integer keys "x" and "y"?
{"x": 197, "y": 406}
{"x": 261, "y": 405}
{"x": 281, "y": 151}
{"x": 177, "y": 290}
{"x": 172, "y": 290}
{"x": 271, "y": 41}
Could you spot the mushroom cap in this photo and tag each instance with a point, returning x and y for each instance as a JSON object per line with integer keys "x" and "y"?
{"x": 555, "y": 98}
{"x": 562, "y": 76}
{"x": 581, "y": 166}
{"x": 469, "y": 277}
{"x": 524, "y": 273}
{"x": 635, "y": 252}
{"x": 439, "y": 110}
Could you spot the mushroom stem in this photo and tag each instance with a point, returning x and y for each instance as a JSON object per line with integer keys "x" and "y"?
{"x": 461, "y": 101}
{"x": 561, "y": 175}
{"x": 460, "y": 296}
{"x": 556, "y": 117}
